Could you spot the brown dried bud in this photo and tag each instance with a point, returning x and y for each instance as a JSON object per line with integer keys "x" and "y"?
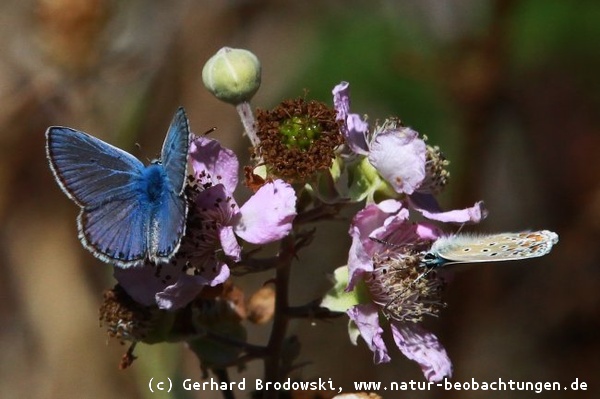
{"x": 261, "y": 305}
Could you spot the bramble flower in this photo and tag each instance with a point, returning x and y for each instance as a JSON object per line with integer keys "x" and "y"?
{"x": 384, "y": 277}
{"x": 214, "y": 223}
{"x": 394, "y": 161}
{"x": 395, "y": 151}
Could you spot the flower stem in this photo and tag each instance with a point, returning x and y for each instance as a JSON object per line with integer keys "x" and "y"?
{"x": 273, "y": 361}
{"x": 253, "y": 350}
{"x": 247, "y": 117}
{"x": 312, "y": 310}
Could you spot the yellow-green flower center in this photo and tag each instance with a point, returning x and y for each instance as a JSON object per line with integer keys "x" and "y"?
{"x": 300, "y": 132}
{"x": 298, "y": 139}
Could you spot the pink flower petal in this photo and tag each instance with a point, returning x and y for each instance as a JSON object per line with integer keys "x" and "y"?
{"x": 369, "y": 222}
{"x": 187, "y": 288}
{"x": 424, "y": 348}
{"x": 399, "y": 157}
{"x": 355, "y": 129}
{"x": 428, "y": 232}
{"x": 216, "y": 205}
{"x": 268, "y": 215}
{"x": 218, "y": 163}
{"x": 359, "y": 261}
{"x": 374, "y": 217}
{"x": 141, "y": 283}
{"x": 356, "y": 134}
{"x": 474, "y": 214}
{"x": 366, "y": 318}
{"x": 341, "y": 100}
{"x": 220, "y": 276}
{"x": 178, "y": 295}
{"x": 229, "y": 243}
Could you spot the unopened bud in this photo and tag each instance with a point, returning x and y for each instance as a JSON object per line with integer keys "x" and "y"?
{"x": 232, "y": 75}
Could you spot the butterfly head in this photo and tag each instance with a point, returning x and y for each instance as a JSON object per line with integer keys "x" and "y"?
{"x": 429, "y": 259}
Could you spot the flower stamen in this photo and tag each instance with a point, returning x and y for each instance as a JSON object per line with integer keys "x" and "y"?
{"x": 298, "y": 138}
{"x": 403, "y": 289}
{"x": 437, "y": 176}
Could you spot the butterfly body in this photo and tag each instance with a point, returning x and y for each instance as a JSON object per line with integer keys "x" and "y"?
{"x": 153, "y": 184}
{"x": 466, "y": 248}
{"x": 130, "y": 213}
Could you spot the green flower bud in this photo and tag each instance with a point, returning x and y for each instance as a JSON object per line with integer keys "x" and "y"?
{"x": 232, "y": 75}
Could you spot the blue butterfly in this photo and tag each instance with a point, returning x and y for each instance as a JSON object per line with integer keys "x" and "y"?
{"x": 130, "y": 213}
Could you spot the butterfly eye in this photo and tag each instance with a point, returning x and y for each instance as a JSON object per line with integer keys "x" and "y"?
{"x": 429, "y": 256}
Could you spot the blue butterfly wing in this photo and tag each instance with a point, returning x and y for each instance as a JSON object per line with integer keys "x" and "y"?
{"x": 89, "y": 170}
{"x": 117, "y": 231}
{"x": 175, "y": 151}
{"x": 105, "y": 182}
{"x": 169, "y": 227}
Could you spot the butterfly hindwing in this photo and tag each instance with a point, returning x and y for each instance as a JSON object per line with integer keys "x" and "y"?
{"x": 166, "y": 234}
{"x": 116, "y": 231}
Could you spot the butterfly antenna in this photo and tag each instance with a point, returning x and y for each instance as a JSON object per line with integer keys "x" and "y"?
{"x": 380, "y": 241}
{"x": 423, "y": 274}
{"x": 138, "y": 146}
{"x": 209, "y": 131}
{"x": 460, "y": 228}
{"x": 406, "y": 247}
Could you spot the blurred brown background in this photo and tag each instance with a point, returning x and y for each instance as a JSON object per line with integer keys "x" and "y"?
{"x": 509, "y": 89}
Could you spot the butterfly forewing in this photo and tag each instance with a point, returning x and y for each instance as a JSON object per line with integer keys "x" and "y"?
{"x": 89, "y": 170}
{"x": 175, "y": 150}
